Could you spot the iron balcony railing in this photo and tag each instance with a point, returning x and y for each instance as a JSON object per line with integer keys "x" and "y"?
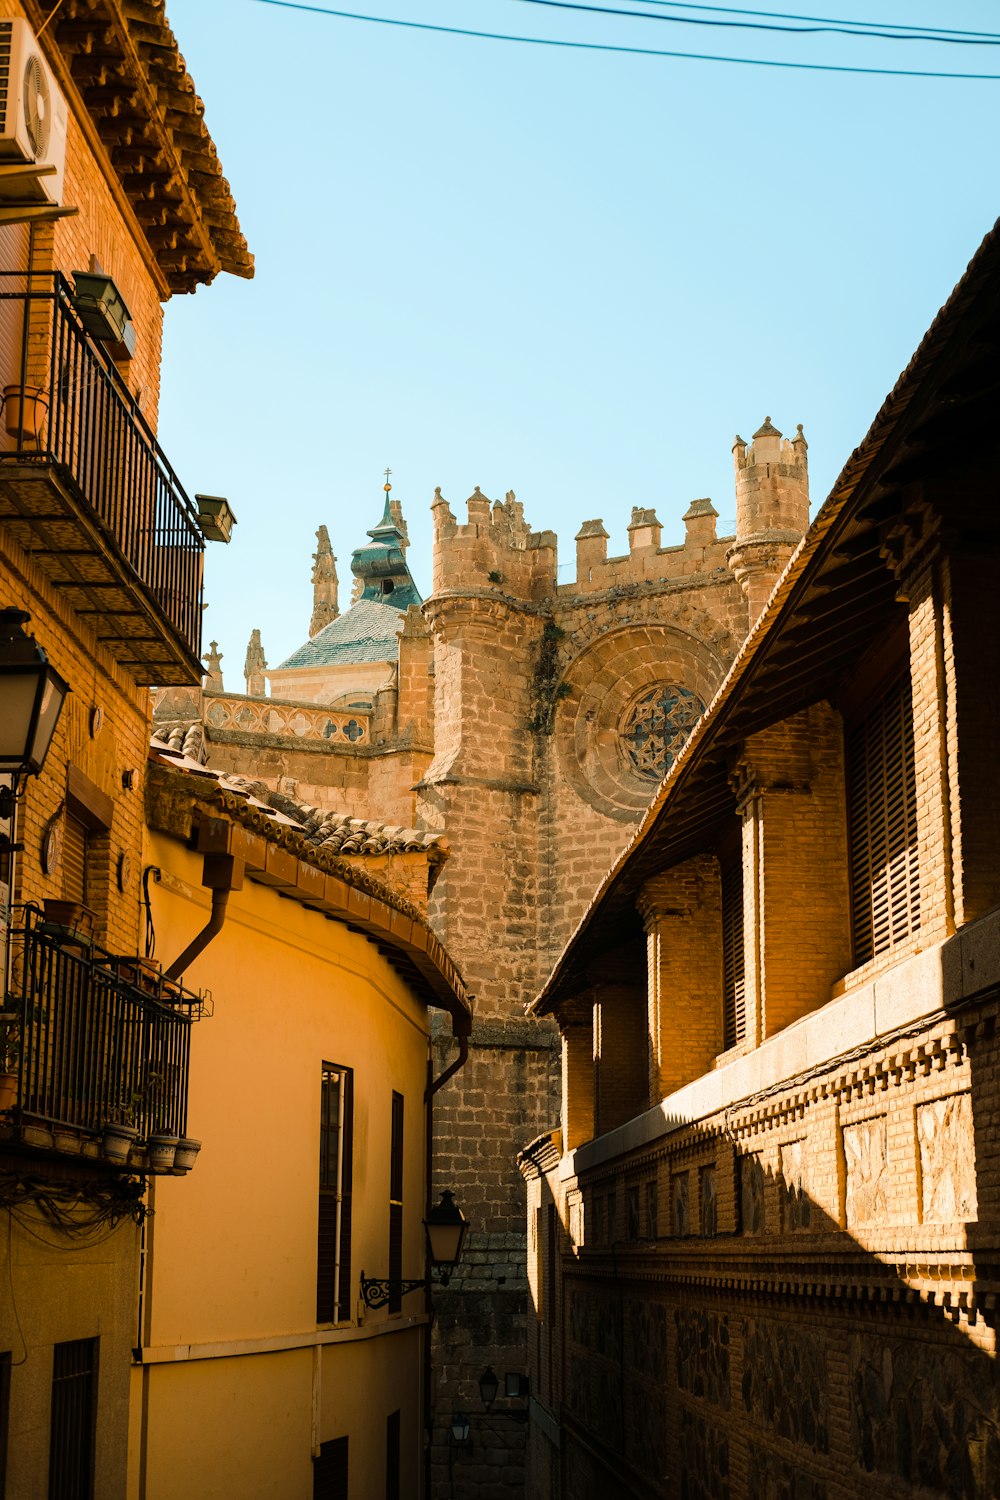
{"x": 93, "y": 1039}
{"x": 66, "y": 404}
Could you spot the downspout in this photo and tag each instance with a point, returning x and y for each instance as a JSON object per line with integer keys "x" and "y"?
{"x": 461, "y": 1023}
{"x": 222, "y": 874}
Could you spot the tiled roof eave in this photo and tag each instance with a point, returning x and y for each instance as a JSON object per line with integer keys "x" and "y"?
{"x": 279, "y": 856}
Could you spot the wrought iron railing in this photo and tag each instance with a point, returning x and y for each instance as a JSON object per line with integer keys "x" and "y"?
{"x": 66, "y": 404}
{"x": 94, "y": 1039}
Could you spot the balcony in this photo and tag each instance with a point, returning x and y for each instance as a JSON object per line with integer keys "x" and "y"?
{"x": 93, "y": 1041}
{"x": 87, "y": 491}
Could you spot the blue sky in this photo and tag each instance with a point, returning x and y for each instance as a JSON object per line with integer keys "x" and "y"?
{"x": 575, "y": 275}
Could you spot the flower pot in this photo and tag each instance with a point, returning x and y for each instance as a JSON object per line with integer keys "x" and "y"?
{"x": 143, "y": 973}
{"x": 26, "y": 408}
{"x": 160, "y": 1152}
{"x": 8, "y": 1092}
{"x": 73, "y": 921}
{"x": 118, "y": 1142}
{"x": 66, "y": 1140}
{"x": 186, "y": 1153}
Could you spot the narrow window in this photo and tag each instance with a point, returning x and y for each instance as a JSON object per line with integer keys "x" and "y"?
{"x": 882, "y": 820}
{"x": 74, "y": 1414}
{"x": 396, "y": 1203}
{"x": 392, "y": 1456}
{"x": 333, "y": 1261}
{"x": 632, "y": 1212}
{"x": 330, "y": 1471}
{"x": 75, "y": 858}
{"x": 734, "y": 1015}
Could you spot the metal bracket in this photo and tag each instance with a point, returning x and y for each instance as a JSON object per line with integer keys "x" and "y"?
{"x": 376, "y": 1291}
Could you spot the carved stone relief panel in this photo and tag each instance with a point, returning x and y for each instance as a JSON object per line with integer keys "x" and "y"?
{"x": 751, "y": 1187}
{"x": 704, "y": 1459}
{"x": 796, "y": 1205}
{"x": 927, "y": 1414}
{"x": 702, "y": 1343}
{"x": 867, "y": 1164}
{"x": 773, "y": 1478}
{"x": 947, "y": 1160}
{"x": 709, "y": 1201}
{"x": 785, "y": 1382}
{"x": 680, "y": 1204}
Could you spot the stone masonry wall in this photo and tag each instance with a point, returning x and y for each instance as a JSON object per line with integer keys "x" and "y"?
{"x": 788, "y": 1298}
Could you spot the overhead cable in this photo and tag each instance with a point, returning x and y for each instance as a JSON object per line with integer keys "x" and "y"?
{"x": 798, "y": 30}
{"x": 945, "y": 32}
{"x": 541, "y": 41}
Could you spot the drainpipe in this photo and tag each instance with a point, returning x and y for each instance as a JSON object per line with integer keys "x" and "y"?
{"x": 461, "y": 1024}
{"x": 222, "y": 874}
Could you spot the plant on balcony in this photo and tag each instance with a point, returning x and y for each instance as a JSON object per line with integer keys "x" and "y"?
{"x": 26, "y": 410}
{"x": 70, "y": 920}
{"x": 10, "y": 1056}
{"x": 120, "y": 1130}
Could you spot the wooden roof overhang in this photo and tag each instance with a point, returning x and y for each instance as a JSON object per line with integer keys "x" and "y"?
{"x": 932, "y": 440}
{"x": 121, "y": 58}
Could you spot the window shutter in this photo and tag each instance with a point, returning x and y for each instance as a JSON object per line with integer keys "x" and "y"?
{"x": 330, "y": 1471}
{"x": 882, "y": 813}
{"x": 396, "y": 1201}
{"x": 734, "y": 1015}
{"x": 74, "y": 860}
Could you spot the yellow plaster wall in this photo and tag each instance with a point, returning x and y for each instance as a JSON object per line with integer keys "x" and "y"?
{"x": 231, "y": 1249}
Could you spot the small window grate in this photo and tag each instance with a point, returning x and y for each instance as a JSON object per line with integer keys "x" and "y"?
{"x": 71, "y": 1436}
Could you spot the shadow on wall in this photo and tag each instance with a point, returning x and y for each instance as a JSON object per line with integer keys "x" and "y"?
{"x": 720, "y": 1335}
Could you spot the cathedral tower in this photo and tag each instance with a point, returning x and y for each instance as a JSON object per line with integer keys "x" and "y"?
{"x": 772, "y": 509}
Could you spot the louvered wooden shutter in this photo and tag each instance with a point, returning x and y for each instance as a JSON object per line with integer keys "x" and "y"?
{"x": 74, "y": 860}
{"x": 882, "y": 813}
{"x": 333, "y": 1254}
{"x": 396, "y": 1201}
{"x": 734, "y": 1015}
{"x": 330, "y": 1471}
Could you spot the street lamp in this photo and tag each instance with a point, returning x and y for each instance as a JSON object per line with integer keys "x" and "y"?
{"x": 445, "y": 1228}
{"x": 32, "y": 694}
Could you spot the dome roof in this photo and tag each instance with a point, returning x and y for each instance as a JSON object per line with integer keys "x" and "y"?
{"x": 367, "y": 632}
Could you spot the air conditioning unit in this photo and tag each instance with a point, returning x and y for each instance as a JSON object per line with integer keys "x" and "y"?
{"x": 33, "y": 117}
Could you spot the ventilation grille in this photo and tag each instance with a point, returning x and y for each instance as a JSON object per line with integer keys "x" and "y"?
{"x": 734, "y": 1011}
{"x": 6, "y": 32}
{"x": 37, "y": 108}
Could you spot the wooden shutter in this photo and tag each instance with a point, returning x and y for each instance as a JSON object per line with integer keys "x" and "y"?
{"x": 71, "y": 1438}
{"x": 333, "y": 1257}
{"x": 74, "y": 860}
{"x": 734, "y": 1014}
{"x": 330, "y": 1471}
{"x": 882, "y": 816}
{"x": 396, "y": 1201}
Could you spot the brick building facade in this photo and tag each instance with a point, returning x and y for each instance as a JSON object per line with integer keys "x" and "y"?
{"x": 763, "y": 1247}
{"x": 102, "y": 553}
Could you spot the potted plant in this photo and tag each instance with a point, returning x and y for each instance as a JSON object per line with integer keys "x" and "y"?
{"x": 161, "y": 1142}
{"x": 10, "y": 1057}
{"x": 69, "y": 920}
{"x": 120, "y": 1131}
{"x": 186, "y": 1153}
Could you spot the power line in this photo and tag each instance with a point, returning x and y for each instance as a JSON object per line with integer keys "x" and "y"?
{"x": 541, "y": 41}
{"x": 946, "y": 32}
{"x": 810, "y": 30}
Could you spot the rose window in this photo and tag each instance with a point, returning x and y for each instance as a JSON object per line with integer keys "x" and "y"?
{"x": 655, "y": 726}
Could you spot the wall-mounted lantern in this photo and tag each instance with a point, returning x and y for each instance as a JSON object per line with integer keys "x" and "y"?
{"x": 488, "y": 1386}
{"x": 215, "y": 517}
{"x": 445, "y": 1228}
{"x": 32, "y": 694}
